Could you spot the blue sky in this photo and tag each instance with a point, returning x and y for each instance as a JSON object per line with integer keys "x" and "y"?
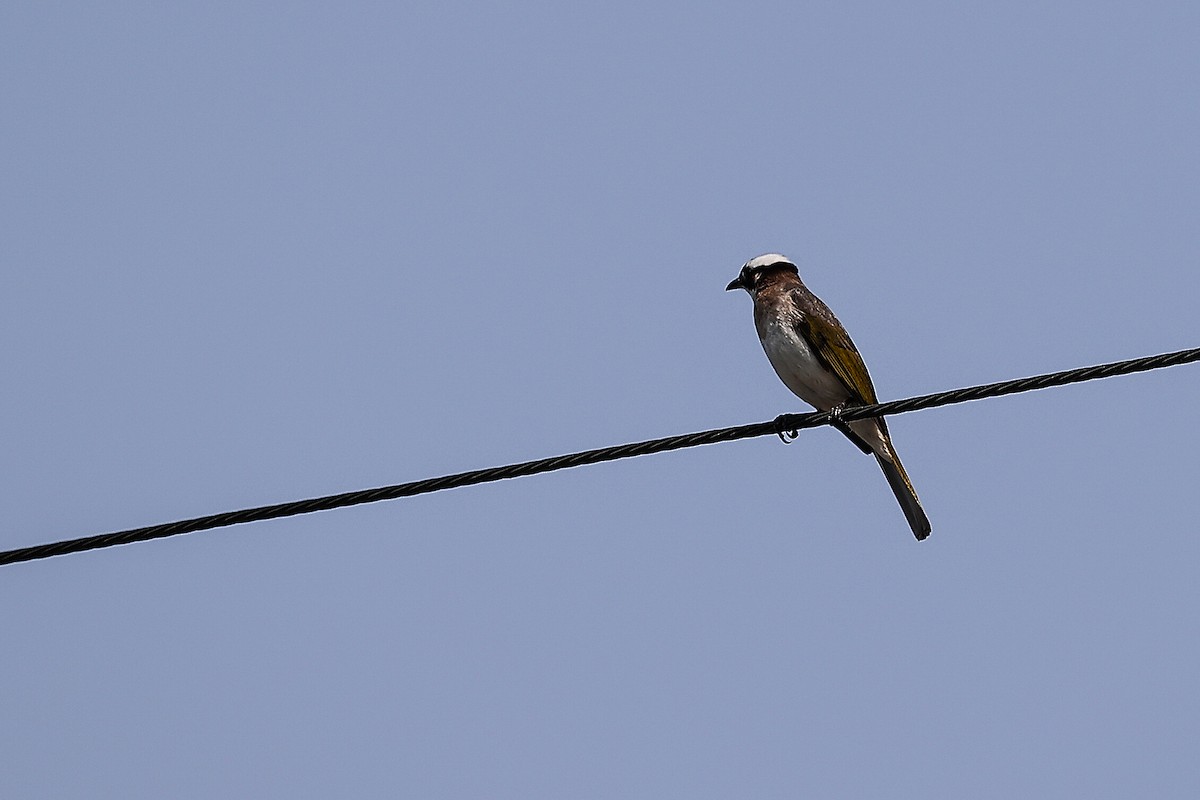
{"x": 257, "y": 252}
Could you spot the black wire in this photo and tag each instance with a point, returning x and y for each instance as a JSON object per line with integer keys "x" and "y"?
{"x": 786, "y": 423}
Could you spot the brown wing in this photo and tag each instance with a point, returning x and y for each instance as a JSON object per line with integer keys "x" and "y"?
{"x": 832, "y": 345}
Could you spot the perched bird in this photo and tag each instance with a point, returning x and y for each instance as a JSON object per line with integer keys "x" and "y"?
{"x": 814, "y": 357}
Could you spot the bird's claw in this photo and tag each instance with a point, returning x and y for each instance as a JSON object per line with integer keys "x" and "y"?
{"x": 835, "y": 419}
{"x": 787, "y": 437}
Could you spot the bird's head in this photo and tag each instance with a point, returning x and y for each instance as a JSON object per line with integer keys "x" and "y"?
{"x": 755, "y": 269}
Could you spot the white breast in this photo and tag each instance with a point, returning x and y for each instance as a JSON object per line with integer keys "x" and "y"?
{"x": 799, "y": 368}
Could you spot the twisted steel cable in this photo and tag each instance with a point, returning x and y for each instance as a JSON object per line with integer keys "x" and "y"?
{"x": 784, "y": 425}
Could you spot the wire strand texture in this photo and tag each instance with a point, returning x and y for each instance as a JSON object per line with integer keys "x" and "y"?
{"x": 783, "y": 425}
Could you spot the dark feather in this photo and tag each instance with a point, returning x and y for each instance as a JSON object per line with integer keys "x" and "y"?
{"x": 832, "y": 345}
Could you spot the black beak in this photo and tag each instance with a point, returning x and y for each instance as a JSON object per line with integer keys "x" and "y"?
{"x": 736, "y": 283}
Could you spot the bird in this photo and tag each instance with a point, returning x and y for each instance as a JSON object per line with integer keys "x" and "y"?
{"x": 814, "y": 357}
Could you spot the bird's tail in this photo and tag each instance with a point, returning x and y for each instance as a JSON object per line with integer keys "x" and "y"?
{"x": 902, "y": 487}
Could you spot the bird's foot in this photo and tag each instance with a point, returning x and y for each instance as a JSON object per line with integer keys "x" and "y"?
{"x": 835, "y": 419}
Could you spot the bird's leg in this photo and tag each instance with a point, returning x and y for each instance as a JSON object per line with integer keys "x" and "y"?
{"x": 835, "y": 419}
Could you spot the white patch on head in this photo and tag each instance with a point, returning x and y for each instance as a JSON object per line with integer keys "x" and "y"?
{"x": 766, "y": 261}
